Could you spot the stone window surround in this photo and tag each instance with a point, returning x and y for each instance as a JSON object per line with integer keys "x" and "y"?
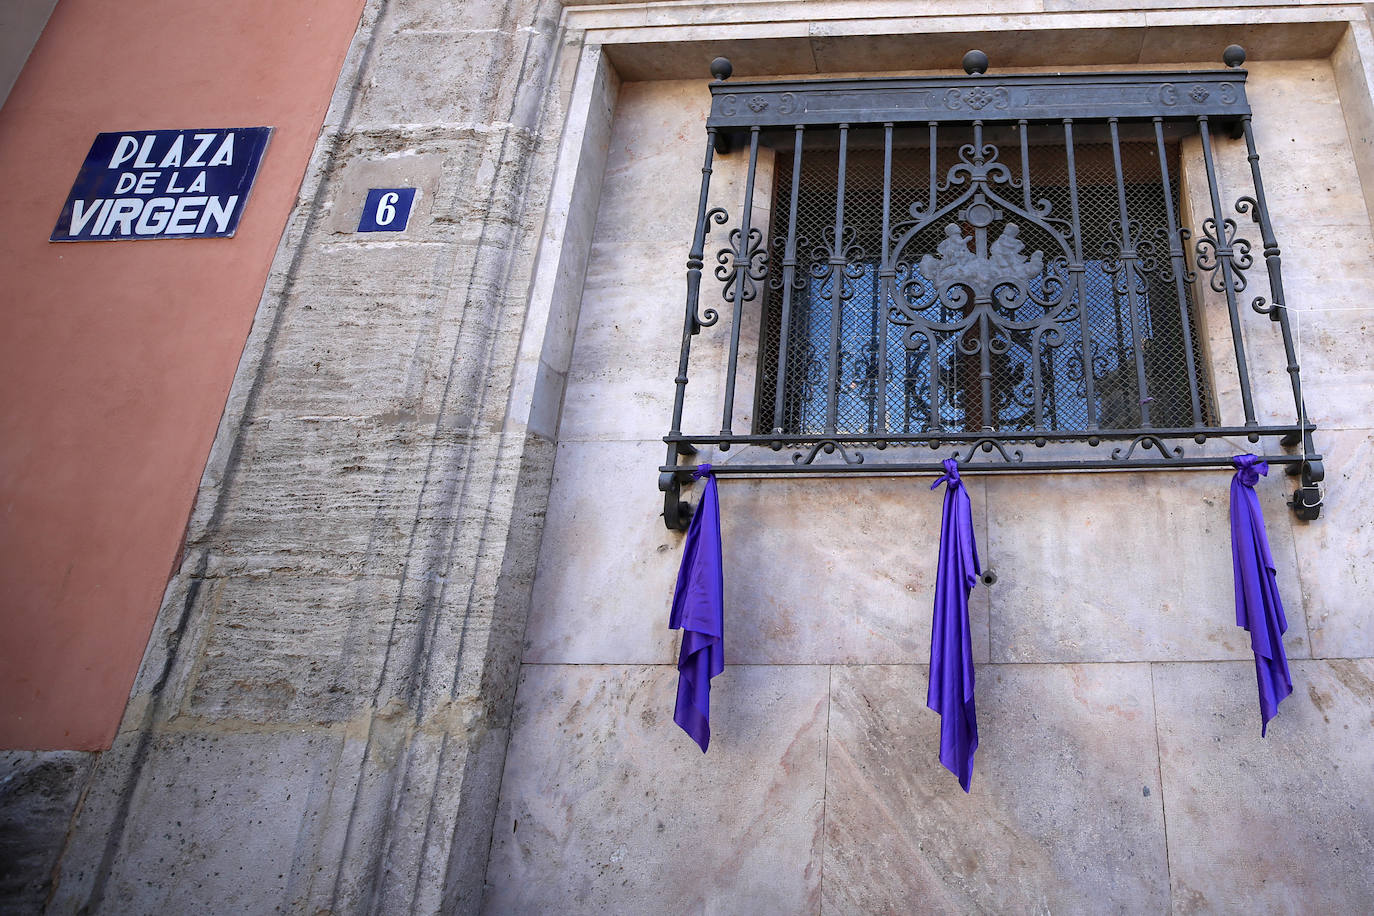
{"x": 621, "y": 42}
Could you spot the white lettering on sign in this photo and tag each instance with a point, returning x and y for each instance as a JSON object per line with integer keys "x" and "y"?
{"x": 124, "y": 151}
{"x": 163, "y": 184}
{"x": 225, "y": 154}
{"x": 173, "y": 155}
{"x": 135, "y": 216}
{"x": 203, "y": 142}
{"x": 386, "y": 208}
{"x": 142, "y": 162}
{"x": 154, "y": 217}
{"x": 82, "y": 211}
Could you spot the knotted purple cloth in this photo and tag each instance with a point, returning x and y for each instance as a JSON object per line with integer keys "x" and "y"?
{"x": 1258, "y": 607}
{"x": 699, "y": 611}
{"x": 951, "y": 647}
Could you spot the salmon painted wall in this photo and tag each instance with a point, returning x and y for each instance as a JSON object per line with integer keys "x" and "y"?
{"x": 116, "y": 357}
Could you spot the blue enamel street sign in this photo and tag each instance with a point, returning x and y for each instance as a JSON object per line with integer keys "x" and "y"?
{"x": 163, "y": 184}
{"x": 386, "y": 209}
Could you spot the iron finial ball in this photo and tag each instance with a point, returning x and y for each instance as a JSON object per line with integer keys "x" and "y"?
{"x": 721, "y": 68}
{"x": 1233, "y": 56}
{"x": 975, "y": 63}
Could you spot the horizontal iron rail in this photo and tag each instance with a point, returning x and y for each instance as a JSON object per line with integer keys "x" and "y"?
{"x": 1253, "y": 433}
{"x": 1035, "y": 96}
{"x": 1199, "y": 463}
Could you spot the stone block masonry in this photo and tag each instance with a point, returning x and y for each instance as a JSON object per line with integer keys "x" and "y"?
{"x": 350, "y": 605}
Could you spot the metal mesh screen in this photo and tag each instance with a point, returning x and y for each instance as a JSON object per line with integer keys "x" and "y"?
{"x": 853, "y": 367}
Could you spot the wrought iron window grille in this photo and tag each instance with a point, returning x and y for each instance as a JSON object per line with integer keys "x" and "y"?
{"x": 993, "y": 269}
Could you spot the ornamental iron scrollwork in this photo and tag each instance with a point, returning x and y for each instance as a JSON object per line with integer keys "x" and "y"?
{"x": 735, "y": 259}
{"x": 988, "y": 445}
{"x": 1038, "y": 287}
{"x": 1147, "y": 441}
{"x": 829, "y": 447}
{"x": 1213, "y": 250}
{"x": 982, "y": 288}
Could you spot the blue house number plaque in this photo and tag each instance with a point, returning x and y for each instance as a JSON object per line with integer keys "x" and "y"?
{"x": 386, "y": 209}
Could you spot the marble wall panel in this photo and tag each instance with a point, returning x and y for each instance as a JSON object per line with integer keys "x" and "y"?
{"x": 670, "y": 58}
{"x": 630, "y": 327}
{"x": 1336, "y": 552}
{"x": 1337, "y": 372}
{"x": 629, "y": 339}
{"x": 1349, "y": 63}
{"x": 1174, "y": 35}
{"x": 1326, "y": 266}
{"x": 1271, "y": 386}
{"x": 1064, "y": 814}
{"x": 607, "y": 806}
{"x": 607, "y": 563}
{"x": 944, "y": 50}
{"x": 653, "y": 165}
{"x": 625, "y": 356}
{"x": 1277, "y": 824}
{"x": 1125, "y": 567}
{"x": 799, "y": 588}
{"x": 837, "y": 571}
{"x": 1301, "y": 136}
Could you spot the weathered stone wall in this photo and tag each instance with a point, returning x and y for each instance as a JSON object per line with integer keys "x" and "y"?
{"x": 1121, "y": 766}
{"x": 320, "y": 721}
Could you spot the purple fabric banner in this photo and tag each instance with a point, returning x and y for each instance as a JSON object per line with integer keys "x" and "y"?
{"x": 951, "y": 647}
{"x": 699, "y": 611}
{"x": 1258, "y": 607}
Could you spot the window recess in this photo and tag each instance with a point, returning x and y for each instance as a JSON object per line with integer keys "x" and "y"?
{"x": 1003, "y": 270}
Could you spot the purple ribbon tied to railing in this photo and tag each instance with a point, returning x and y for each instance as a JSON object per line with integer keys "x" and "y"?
{"x": 699, "y": 611}
{"x": 1258, "y": 606}
{"x": 951, "y": 646}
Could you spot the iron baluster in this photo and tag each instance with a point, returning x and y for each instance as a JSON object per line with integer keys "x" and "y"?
{"x": 1180, "y": 271}
{"x": 743, "y": 266}
{"x": 674, "y": 511}
{"x": 934, "y": 166}
{"x": 1307, "y": 499}
{"x": 837, "y": 271}
{"x": 932, "y": 342}
{"x": 983, "y": 303}
{"x": 1127, "y": 260}
{"x": 1076, "y": 272}
{"x": 692, "y": 323}
{"x": 1278, "y": 309}
{"x": 1037, "y": 375}
{"x": 1223, "y": 254}
{"x": 886, "y": 273}
{"x": 789, "y": 273}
